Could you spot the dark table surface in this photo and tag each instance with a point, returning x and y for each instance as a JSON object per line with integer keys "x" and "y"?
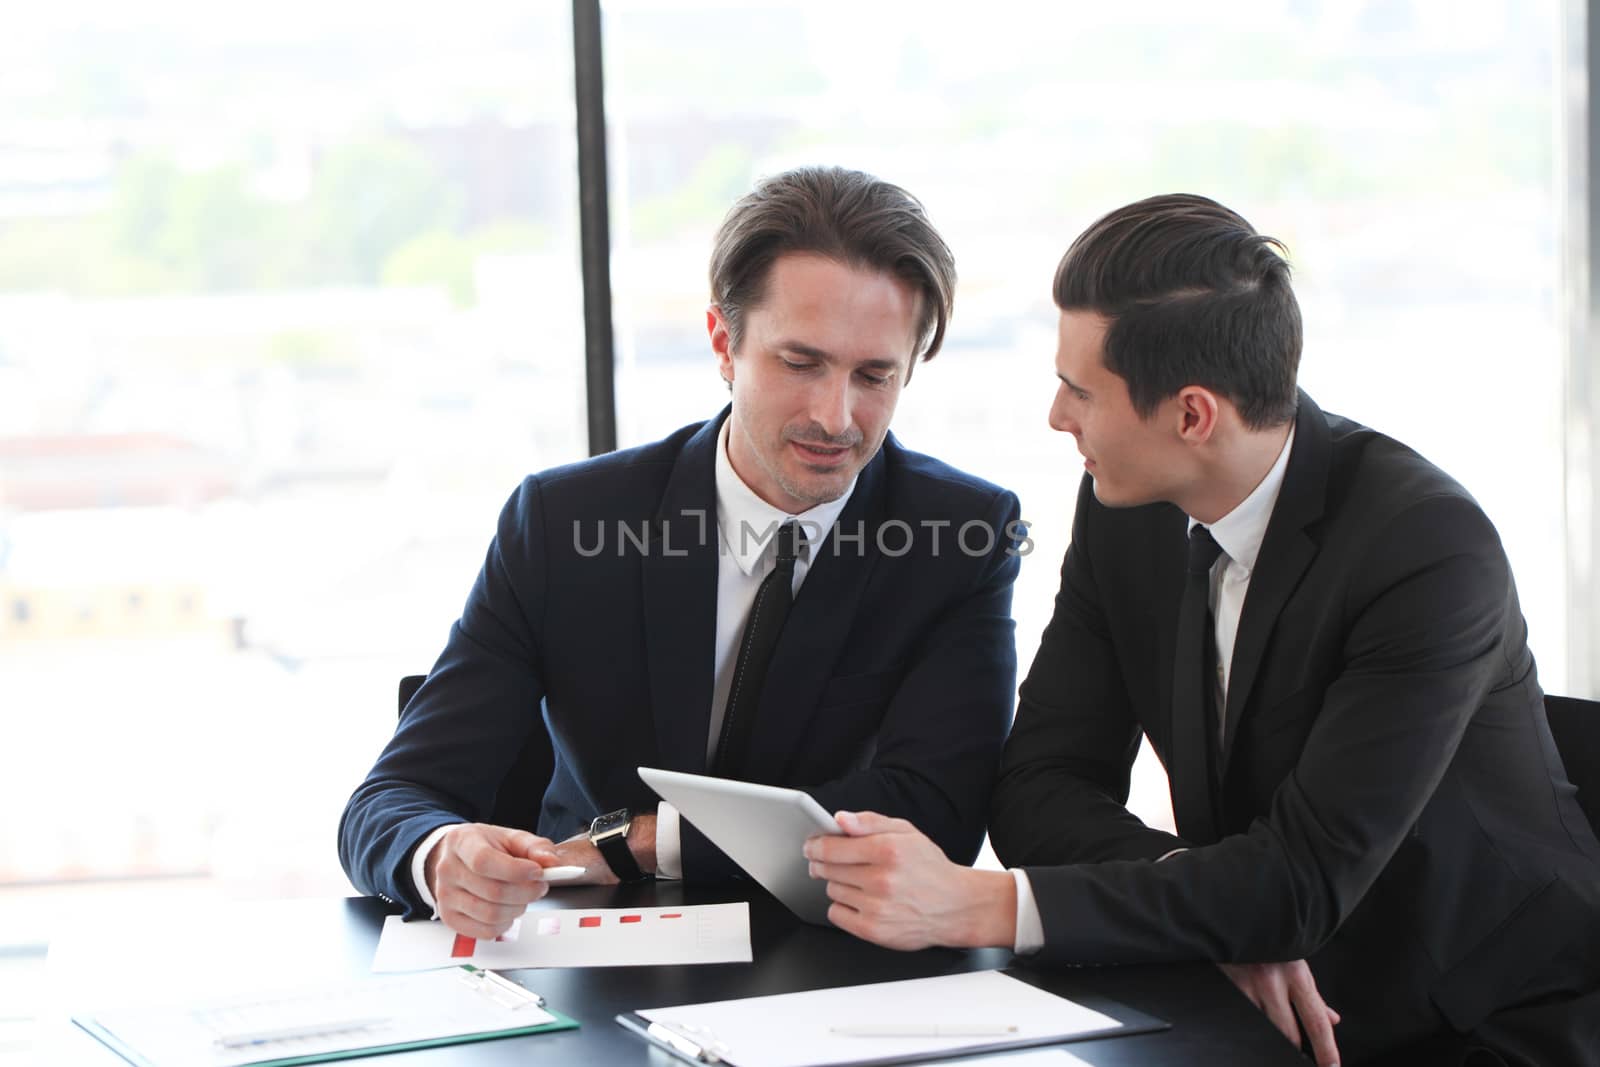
{"x": 1211, "y": 1023}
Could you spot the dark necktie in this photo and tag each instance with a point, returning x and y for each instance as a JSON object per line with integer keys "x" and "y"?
{"x": 1191, "y": 697}
{"x": 767, "y": 616}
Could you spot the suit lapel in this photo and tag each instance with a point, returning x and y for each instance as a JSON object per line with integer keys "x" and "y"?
{"x": 819, "y": 622}
{"x": 679, "y": 579}
{"x": 1169, "y": 561}
{"x": 1286, "y": 551}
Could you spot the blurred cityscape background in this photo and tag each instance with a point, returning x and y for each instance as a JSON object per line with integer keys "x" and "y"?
{"x": 289, "y": 301}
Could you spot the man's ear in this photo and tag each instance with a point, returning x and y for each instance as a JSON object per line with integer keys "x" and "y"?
{"x": 721, "y": 341}
{"x": 1198, "y": 410}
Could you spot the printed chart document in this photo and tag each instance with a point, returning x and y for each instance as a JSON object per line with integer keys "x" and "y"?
{"x": 311, "y": 1025}
{"x": 888, "y": 1022}
{"x": 577, "y": 937}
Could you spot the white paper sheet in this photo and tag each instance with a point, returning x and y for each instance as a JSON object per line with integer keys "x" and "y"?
{"x": 797, "y": 1029}
{"x": 577, "y": 937}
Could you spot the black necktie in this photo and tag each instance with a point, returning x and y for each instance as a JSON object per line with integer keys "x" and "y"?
{"x": 1191, "y": 690}
{"x": 761, "y": 632}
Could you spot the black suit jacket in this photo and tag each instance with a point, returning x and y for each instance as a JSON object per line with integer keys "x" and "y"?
{"x": 586, "y": 646}
{"x": 1393, "y": 806}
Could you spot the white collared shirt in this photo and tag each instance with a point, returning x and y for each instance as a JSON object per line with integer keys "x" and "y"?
{"x": 746, "y": 534}
{"x": 747, "y": 527}
{"x": 1239, "y": 533}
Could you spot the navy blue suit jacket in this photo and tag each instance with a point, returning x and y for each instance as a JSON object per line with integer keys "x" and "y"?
{"x": 585, "y": 650}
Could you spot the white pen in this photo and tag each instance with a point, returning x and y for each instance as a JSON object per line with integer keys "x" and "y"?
{"x": 562, "y": 874}
{"x": 290, "y": 1033}
{"x": 925, "y": 1030}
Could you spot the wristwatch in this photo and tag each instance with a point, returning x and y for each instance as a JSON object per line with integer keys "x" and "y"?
{"x": 609, "y": 834}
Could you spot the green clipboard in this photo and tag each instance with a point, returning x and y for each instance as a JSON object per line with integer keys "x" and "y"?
{"x": 365, "y": 1017}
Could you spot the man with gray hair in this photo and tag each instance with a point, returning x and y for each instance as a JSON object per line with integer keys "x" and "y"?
{"x": 782, "y": 594}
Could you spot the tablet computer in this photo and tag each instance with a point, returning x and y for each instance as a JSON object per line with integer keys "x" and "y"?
{"x": 761, "y": 827}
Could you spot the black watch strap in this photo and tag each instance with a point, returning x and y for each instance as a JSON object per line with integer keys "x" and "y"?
{"x": 614, "y": 849}
{"x": 620, "y": 859}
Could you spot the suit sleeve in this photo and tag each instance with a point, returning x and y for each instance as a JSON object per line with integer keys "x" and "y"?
{"x": 1063, "y": 785}
{"x": 939, "y": 745}
{"x": 1425, "y": 613}
{"x": 939, "y": 742}
{"x": 463, "y": 729}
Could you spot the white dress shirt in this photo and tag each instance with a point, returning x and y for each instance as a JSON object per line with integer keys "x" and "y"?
{"x": 747, "y": 529}
{"x": 1239, "y": 533}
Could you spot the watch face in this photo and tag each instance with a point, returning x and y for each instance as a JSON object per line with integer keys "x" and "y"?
{"x": 608, "y": 823}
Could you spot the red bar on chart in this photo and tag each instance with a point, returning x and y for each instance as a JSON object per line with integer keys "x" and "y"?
{"x": 464, "y": 947}
{"x": 589, "y": 920}
{"x": 671, "y": 915}
{"x": 631, "y": 918}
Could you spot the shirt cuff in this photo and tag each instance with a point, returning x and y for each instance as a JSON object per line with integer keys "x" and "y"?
{"x": 419, "y": 866}
{"x": 1030, "y": 928}
{"x": 669, "y": 843}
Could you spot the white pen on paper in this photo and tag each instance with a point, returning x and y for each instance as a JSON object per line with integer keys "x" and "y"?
{"x": 925, "y": 1030}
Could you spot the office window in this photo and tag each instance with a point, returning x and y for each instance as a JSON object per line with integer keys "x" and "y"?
{"x": 1404, "y": 151}
{"x": 288, "y": 305}
{"x": 289, "y": 300}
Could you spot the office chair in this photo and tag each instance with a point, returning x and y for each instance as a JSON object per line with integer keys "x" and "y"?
{"x": 1575, "y": 724}
{"x": 408, "y": 689}
{"x": 522, "y": 793}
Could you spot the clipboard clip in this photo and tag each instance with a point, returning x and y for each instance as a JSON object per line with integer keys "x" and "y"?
{"x": 697, "y": 1043}
{"x": 500, "y": 989}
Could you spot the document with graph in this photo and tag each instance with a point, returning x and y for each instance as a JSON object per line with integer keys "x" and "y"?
{"x": 577, "y": 937}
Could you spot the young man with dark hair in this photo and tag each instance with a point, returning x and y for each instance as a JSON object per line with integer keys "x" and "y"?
{"x": 765, "y": 595}
{"x": 1319, "y": 634}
